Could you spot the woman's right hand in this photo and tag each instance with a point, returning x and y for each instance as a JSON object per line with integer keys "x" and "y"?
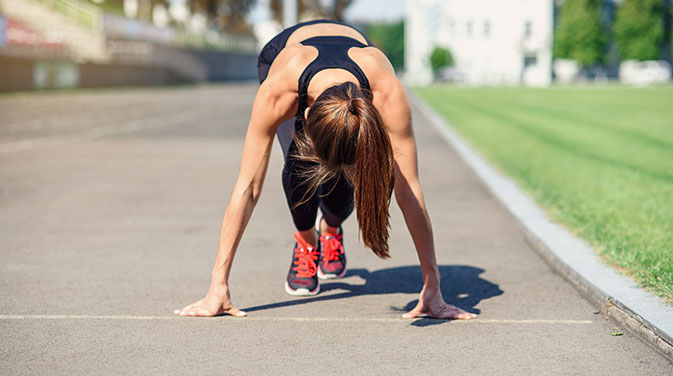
{"x": 217, "y": 302}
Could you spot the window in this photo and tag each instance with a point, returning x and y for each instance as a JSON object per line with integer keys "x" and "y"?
{"x": 529, "y": 59}
{"x": 469, "y": 28}
{"x": 528, "y": 29}
{"x": 487, "y": 28}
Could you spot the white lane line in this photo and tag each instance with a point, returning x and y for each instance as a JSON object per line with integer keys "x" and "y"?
{"x": 80, "y": 317}
{"x": 126, "y": 126}
{"x": 296, "y": 319}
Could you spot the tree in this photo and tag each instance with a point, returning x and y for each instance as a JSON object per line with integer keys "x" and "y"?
{"x": 639, "y": 29}
{"x": 580, "y": 35}
{"x": 389, "y": 38}
{"x": 441, "y": 57}
{"x": 339, "y": 7}
{"x": 224, "y": 14}
{"x": 333, "y": 10}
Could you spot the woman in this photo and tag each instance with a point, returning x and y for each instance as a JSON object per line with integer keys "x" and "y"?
{"x": 344, "y": 125}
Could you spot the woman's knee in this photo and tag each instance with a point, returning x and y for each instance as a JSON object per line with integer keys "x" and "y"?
{"x": 336, "y": 201}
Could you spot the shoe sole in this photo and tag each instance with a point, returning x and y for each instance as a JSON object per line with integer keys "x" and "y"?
{"x": 301, "y": 292}
{"x": 321, "y": 275}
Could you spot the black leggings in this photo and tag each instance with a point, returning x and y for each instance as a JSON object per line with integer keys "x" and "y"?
{"x": 334, "y": 197}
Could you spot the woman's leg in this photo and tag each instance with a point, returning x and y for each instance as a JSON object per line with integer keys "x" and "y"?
{"x": 326, "y": 259}
{"x": 336, "y": 203}
{"x": 302, "y": 278}
{"x": 335, "y": 197}
{"x": 303, "y": 209}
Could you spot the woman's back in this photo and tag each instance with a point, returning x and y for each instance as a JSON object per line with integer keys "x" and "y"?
{"x": 325, "y": 29}
{"x": 290, "y": 58}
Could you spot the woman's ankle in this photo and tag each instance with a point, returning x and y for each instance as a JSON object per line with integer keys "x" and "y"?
{"x": 310, "y": 236}
{"x": 325, "y": 228}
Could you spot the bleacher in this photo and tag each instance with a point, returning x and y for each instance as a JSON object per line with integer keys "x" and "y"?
{"x": 51, "y": 36}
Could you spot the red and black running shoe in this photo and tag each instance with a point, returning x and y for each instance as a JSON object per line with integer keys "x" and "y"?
{"x": 302, "y": 278}
{"x": 333, "y": 258}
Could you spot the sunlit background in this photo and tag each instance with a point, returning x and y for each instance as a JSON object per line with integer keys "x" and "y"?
{"x": 78, "y": 43}
{"x": 86, "y": 43}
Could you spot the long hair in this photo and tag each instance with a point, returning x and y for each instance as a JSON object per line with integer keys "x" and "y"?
{"x": 344, "y": 135}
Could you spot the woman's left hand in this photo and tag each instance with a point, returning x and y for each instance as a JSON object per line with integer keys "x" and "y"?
{"x": 431, "y": 303}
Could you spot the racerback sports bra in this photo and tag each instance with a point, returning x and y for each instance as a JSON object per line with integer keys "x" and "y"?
{"x": 332, "y": 53}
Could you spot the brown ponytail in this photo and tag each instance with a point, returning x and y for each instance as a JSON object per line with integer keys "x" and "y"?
{"x": 345, "y": 134}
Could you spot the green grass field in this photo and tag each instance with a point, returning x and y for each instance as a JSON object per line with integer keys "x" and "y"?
{"x": 598, "y": 159}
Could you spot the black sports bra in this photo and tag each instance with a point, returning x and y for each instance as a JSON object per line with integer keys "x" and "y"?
{"x": 332, "y": 53}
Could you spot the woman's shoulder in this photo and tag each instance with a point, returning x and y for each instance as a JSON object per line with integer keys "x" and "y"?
{"x": 290, "y": 63}
{"x": 377, "y": 68}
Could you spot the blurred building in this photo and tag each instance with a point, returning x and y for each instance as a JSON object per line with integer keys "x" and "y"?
{"x": 48, "y": 44}
{"x": 493, "y": 42}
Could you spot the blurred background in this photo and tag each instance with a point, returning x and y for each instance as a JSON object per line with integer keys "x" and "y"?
{"x": 537, "y": 42}
{"x": 47, "y": 44}
{"x": 87, "y": 43}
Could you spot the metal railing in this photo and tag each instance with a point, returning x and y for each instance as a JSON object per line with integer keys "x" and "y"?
{"x": 215, "y": 41}
{"x": 78, "y": 11}
{"x": 118, "y": 27}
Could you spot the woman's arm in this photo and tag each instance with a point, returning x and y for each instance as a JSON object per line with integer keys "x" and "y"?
{"x": 394, "y": 109}
{"x": 272, "y": 106}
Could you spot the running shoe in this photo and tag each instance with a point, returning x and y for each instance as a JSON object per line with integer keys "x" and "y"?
{"x": 302, "y": 278}
{"x": 333, "y": 258}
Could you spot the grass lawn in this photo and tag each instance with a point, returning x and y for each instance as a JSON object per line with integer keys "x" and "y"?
{"x": 599, "y": 159}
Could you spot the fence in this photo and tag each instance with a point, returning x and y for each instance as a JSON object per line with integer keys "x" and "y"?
{"x": 92, "y": 17}
{"x": 80, "y": 12}
{"x": 69, "y": 43}
{"x": 118, "y": 27}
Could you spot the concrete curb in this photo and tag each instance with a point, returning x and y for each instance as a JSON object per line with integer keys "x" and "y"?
{"x": 573, "y": 258}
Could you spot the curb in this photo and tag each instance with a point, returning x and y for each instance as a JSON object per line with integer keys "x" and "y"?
{"x": 574, "y": 259}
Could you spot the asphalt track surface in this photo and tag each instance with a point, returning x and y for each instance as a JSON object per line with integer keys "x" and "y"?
{"x": 110, "y": 207}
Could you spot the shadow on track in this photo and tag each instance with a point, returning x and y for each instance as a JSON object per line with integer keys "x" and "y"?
{"x": 461, "y": 286}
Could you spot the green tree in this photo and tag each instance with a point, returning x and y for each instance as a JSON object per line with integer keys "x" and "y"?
{"x": 389, "y": 38}
{"x": 332, "y": 9}
{"x": 224, "y": 14}
{"x": 639, "y": 29}
{"x": 580, "y": 35}
{"x": 441, "y": 57}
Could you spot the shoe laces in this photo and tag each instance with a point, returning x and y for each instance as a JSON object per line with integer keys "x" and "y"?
{"x": 304, "y": 258}
{"x": 332, "y": 247}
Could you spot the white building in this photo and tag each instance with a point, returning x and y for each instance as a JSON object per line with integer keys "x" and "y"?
{"x": 494, "y": 42}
